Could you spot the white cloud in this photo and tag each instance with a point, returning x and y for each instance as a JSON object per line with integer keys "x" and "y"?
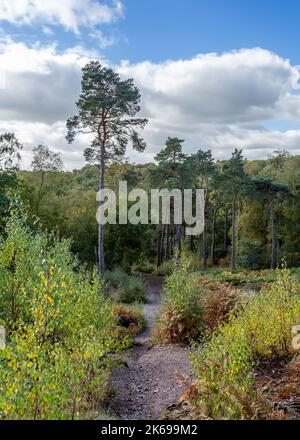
{"x": 103, "y": 40}
{"x": 47, "y": 31}
{"x": 71, "y": 14}
{"x": 212, "y": 101}
{"x": 220, "y": 101}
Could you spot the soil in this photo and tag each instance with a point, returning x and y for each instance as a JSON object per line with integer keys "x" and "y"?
{"x": 278, "y": 379}
{"x": 149, "y": 383}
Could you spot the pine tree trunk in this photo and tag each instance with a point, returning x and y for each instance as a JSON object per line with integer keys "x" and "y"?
{"x": 167, "y": 251}
{"x": 225, "y": 231}
{"x": 204, "y": 251}
{"x": 273, "y": 226}
{"x": 192, "y": 246}
{"x": 162, "y": 243}
{"x": 233, "y": 259}
{"x": 178, "y": 238}
{"x": 158, "y": 257}
{"x": 213, "y": 235}
{"x": 101, "y": 227}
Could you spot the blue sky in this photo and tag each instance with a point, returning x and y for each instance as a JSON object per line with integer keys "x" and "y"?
{"x": 160, "y": 29}
{"x": 219, "y": 73}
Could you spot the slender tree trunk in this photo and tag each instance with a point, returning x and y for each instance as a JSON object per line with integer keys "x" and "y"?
{"x": 101, "y": 227}
{"x": 213, "y": 235}
{"x": 233, "y": 255}
{"x": 225, "y": 232}
{"x": 192, "y": 246}
{"x": 158, "y": 255}
{"x": 204, "y": 250}
{"x": 178, "y": 237}
{"x": 167, "y": 251}
{"x": 162, "y": 243}
{"x": 172, "y": 242}
{"x": 273, "y": 226}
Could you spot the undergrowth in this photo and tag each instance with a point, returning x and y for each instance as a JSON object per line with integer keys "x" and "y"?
{"x": 223, "y": 363}
{"x": 128, "y": 288}
{"x": 59, "y": 329}
{"x": 180, "y": 319}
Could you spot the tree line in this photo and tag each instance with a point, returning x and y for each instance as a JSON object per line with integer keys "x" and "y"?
{"x": 251, "y": 207}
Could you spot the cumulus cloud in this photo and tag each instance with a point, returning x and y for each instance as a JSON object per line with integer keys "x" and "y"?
{"x": 71, "y": 14}
{"x": 216, "y": 101}
{"x": 103, "y": 40}
{"x": 220, "y": 101}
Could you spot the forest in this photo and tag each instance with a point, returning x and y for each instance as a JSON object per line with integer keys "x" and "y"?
{"x": 87, "y": 311}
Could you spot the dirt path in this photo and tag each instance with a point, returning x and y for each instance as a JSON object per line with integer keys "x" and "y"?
{"x": 149, "y": 385}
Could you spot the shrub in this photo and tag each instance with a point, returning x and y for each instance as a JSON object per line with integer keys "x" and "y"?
{"x": 59, "y": 329}
{"x": 180, "y": 320}
{"x": 219, "y": 301}
{"x": 128, "y": 288}
{"x": 250, "y": 254}
{"x": 223, "y": 364}
{"x": 241, "y": 277}
{"x": 115, "y": 278}
{"x": 166, "y": 268}
{"x": 132, "y": 290}
{"x": 144, "y": 267}
{"x": 132, "y": 320}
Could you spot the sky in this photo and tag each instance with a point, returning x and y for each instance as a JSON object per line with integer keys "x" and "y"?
{"x": 220, "y": 74}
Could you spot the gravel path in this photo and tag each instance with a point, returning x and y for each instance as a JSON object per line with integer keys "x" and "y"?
{"x": 149, "y": 385}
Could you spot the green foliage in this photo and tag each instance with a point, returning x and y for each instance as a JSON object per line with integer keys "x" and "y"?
{"x": 131, "y": 319}
{"x": 133, "y": 290}
{"x": 180, "y": 320}
{"x": 250, "y": 254}
{"x": 241, "y": 277}
{"x": 130, "y": 288}
{"x": 9, "y": 152}
{"x": 59, "y": 329}
{"x": 144, "y": 267}
{"x": 166, "y": 268}
{"x": 222, "y": 365}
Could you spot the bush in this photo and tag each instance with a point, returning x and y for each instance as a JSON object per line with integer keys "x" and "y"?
{"x": 223, "y": 364}
{"x": 144, "y": 267}
{"x": 132, "y": 320}
{"x": 128, "y": 288}
{"x": 241, "y": 277}
{"x": 166, "y": 268}
{"x": 59, "y": 329}
{"x": 115, "y": 278}
{"x": 180, "y": 320}
{"x": 250, "y": 254}
{"x": 132, "y": 290}
{"x": 219, "y": 301}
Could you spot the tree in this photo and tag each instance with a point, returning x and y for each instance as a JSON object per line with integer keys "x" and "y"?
{"x": 9, "y": 162}
{"x": 9, "y": 152}
{"x": 270, "y": 190}
{"x": 44, "y": 161}
{"x": 235, "y": 183}
{"x": 169, "y": 173}
{"x": 278, "y": 158}
{"x": 202, "y": 169}
{"x": 106, "y": 109}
